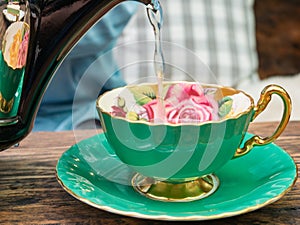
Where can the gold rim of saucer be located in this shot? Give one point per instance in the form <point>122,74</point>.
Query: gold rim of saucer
<point>169,191</point>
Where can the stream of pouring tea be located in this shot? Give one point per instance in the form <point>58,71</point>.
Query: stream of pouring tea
<point>156,19</point>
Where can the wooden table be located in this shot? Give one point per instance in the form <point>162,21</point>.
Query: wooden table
<point>30,193</point>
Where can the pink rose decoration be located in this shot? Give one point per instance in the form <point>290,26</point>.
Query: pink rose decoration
<point>23,48</point>
<point>118,111</point>
<point>185,103</point>
<point>151,109</point>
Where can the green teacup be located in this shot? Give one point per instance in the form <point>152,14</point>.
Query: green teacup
<point>177,161</point>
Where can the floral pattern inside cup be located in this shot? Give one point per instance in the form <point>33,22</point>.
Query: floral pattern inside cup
<point>183,103</point>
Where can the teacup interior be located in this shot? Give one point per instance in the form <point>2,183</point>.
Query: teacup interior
<point>242,103</point>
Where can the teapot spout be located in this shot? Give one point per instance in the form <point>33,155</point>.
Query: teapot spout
<point>35,37</point>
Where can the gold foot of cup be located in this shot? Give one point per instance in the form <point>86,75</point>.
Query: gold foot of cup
<point>170,191</point>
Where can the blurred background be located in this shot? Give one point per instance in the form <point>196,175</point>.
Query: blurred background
<point>247,44</point>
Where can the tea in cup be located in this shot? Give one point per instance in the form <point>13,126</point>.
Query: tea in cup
<point>203,128</point>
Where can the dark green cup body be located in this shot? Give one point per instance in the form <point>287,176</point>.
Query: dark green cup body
<point>175,151</point>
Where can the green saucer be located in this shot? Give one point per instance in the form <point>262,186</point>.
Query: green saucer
<point>92,173</point>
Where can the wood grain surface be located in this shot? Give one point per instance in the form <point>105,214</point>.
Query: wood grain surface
<point>30,193</point>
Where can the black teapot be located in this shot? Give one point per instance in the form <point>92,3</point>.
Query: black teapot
<point>35,37</point>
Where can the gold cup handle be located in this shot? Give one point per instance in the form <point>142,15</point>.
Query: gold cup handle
<point>262,103</point>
